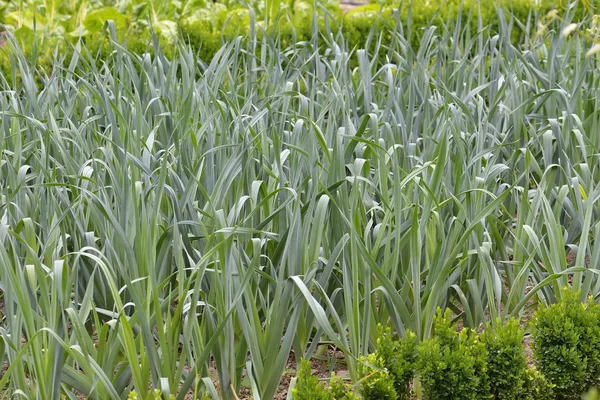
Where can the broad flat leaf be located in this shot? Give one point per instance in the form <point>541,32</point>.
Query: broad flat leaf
<point>95,20</point>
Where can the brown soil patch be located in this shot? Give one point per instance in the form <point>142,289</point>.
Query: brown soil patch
<point>289,373</point>
<point>571,257</point>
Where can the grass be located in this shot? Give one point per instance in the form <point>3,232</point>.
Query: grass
<point>158,215</point>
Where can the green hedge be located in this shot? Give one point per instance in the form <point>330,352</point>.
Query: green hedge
<point>506,361</point>
<point>452,364</point>
<point>463,364</point>
<point>567,345</point>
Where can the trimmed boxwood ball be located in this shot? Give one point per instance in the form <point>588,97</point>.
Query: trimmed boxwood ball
<point>399,357</point>
<point>340,390</point>
<point>507,363</point>
<point>566,345</point>
<point>308,386</point>
<point>375,383</point>
<point>452,365</point>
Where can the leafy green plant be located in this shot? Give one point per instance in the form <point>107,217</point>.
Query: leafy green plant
<point>452,364</point>
<point>567,344</point>
<point>308,386</point>
<point>206,25</point>
<point>506,362</point>
<point>339,389</point>
<point>537,386</point>
<point>399,358</point>
<point>376,383</point>
<point>153,395</point>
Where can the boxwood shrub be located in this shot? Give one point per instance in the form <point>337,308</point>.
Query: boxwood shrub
<point>375,383</point>
<point>308,386</point>
<point>566,344</point>
<point>453,365</point>
<point>464,364</point>
<point>506,362</point>
<point>399,357</point>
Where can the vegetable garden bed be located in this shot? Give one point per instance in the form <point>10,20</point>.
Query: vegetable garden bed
<point>183,221</point>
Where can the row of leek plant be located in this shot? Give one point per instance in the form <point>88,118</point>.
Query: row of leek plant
<point>162,218</point>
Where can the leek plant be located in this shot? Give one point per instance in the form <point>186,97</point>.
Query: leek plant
<point>162,218</point>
